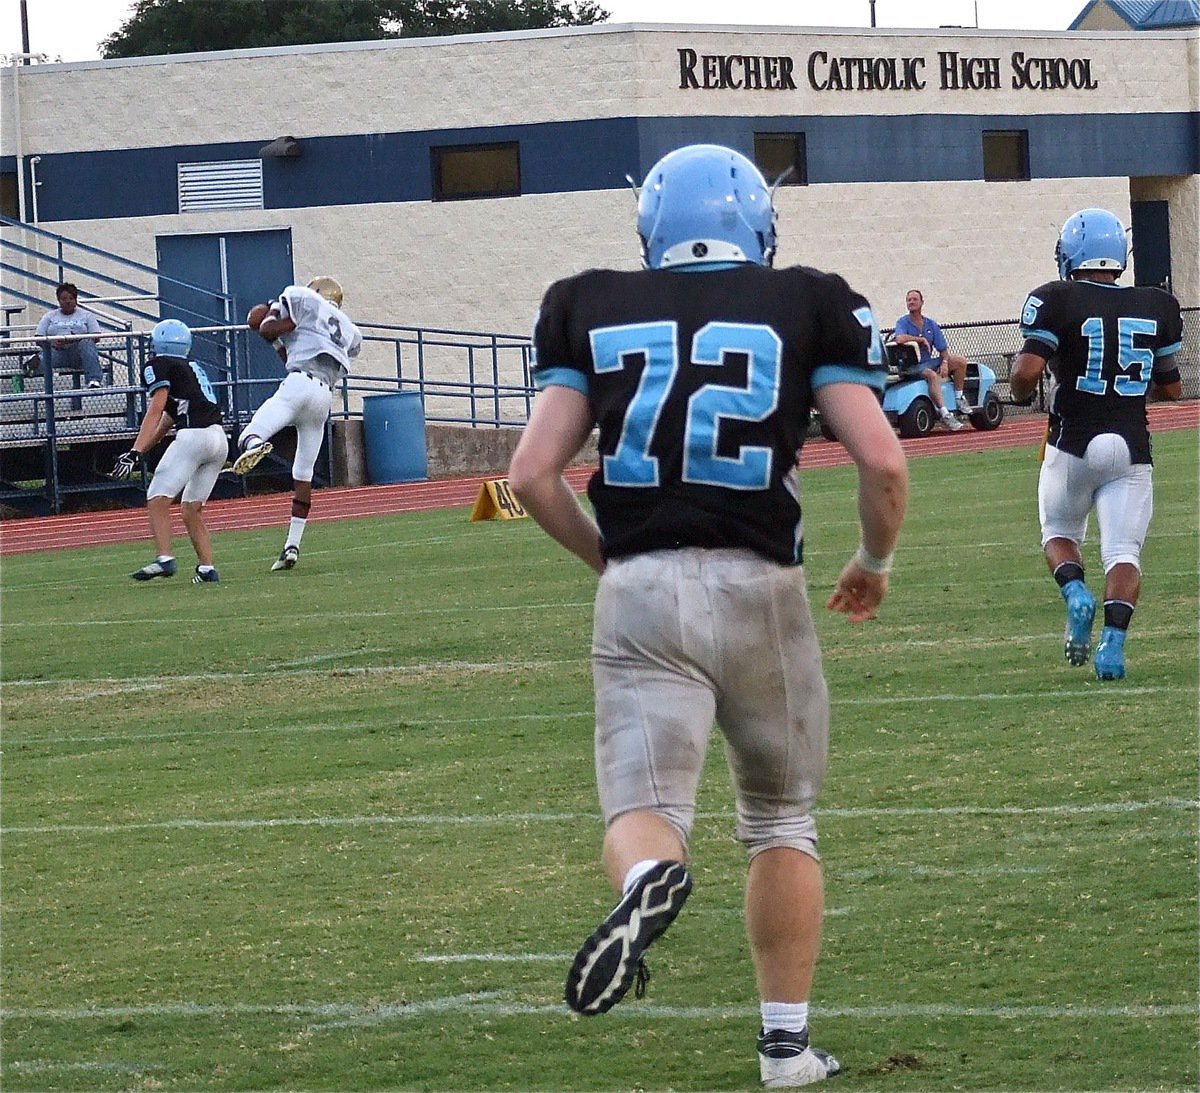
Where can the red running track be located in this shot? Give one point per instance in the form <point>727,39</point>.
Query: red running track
<point>26,536</point>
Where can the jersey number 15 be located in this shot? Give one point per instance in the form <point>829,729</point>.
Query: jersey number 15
<point>1133,362</point>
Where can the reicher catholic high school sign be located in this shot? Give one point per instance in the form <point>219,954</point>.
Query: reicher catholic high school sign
<point>952,70</point>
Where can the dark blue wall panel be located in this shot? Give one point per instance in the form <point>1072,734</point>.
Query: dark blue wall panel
<point>575,156</point>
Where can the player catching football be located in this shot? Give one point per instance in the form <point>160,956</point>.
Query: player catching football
<point>317,341</point>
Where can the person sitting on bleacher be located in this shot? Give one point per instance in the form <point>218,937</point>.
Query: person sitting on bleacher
<point>70,318</point>
<point>935,362</point>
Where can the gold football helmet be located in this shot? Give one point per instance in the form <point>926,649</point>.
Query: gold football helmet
<point>327,287</point>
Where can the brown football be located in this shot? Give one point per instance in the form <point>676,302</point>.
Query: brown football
<point>257,313</point>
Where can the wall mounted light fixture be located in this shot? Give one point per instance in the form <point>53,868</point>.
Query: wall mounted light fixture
<point>281,148</point>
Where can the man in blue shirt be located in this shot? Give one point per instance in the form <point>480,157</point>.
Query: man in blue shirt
<point>929,340</point>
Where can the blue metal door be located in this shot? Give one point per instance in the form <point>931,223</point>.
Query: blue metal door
<point>235,271</point>
<point>1152,243</point>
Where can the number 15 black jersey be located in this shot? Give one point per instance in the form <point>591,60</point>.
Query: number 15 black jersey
<point>1104,342</point>
<point>701,384</point>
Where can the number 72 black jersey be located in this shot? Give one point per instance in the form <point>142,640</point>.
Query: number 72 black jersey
<point>701,385</point>
<point>1105,343</point>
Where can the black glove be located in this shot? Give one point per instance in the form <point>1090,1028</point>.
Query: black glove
<point>126,464</point>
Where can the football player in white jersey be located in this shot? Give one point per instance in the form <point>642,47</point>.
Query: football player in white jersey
<point>317,341</point>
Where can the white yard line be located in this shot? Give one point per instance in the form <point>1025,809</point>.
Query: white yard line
<point>343,1014</point>
<point>114,687</point>
<point>492,958</point>
<point>1166,804</point>
<point>439,666</point>
<point>175,621</point>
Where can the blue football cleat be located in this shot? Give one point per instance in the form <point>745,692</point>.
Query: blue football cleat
<point>1081,612</point>
<point>155,569</point>
<point>210,576</point>
<point>1110,654</point>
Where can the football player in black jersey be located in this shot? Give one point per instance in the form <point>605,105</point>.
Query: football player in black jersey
<point>182,396</point>
<point>1109,348</point>
<point>700,372</point>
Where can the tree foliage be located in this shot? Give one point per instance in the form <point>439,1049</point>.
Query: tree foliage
<point>157,27</point>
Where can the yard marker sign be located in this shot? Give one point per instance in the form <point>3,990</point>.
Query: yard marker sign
<point>496,502</point>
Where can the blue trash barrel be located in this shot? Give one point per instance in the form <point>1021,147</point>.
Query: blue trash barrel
<point>394,435</point>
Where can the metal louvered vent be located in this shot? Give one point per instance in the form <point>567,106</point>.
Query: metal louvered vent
<point>232,184</point>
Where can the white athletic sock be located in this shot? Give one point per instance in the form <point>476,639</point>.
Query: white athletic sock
<point>165,558</point>
<point>295,532</point>
<point>636,872</point>
<point>206,568</point>
<point>786,1016</point>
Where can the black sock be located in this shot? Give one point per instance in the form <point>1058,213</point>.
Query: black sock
<point>1118,614</point>
<point>1067,572</point>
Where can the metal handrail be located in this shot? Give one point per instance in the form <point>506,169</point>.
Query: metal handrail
<point>59,259</point>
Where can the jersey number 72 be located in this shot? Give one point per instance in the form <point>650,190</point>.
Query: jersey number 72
<point>631,464</point>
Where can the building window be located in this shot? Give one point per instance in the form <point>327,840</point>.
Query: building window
<point>476,170</point>
<point>1005,155</point>
<point>775,153</point>
<point>10,203</point>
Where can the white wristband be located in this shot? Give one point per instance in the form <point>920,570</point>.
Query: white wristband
<point>870,563</point>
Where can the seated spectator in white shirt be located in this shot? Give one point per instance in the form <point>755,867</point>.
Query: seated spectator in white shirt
<point>69,318</point>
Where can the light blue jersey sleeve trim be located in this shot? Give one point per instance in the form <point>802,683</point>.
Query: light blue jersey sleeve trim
<point>561,377</point>
<point>156,385</point>
<point>1168,350</point>
<point>844,373</point>
<point>1041,336</point>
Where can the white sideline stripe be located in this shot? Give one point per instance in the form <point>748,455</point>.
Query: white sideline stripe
<point>269,672</point>
<point>43,1066</point>
<point>492,958</point>
<point>1166,804</point>
<point>314,616</point>
<point>1094,693</point>
<point>937,871</point>
<point>341,1014</point>
<point>472,609</point>
<point>1002,640</point>
<point>310,726</point>
<point>325,658</point>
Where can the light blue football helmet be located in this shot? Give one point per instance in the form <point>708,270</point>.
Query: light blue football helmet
<point>705,203</point>
<point>171,338</point>
<point>1092,239</point>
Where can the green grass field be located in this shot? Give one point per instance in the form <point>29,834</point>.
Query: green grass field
<point>336,829</point>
